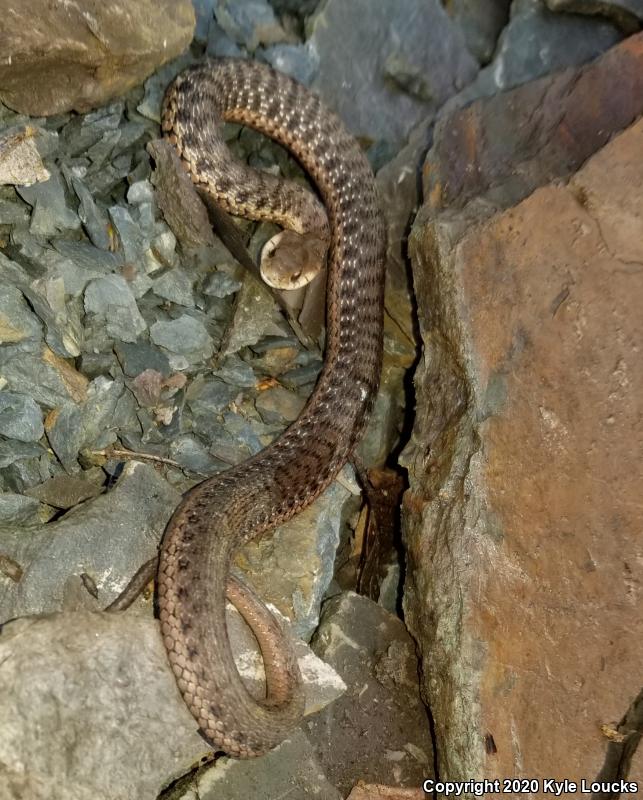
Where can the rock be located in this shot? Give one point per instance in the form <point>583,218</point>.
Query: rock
<point>537,42</point>
<point>176,286</point>
<point>204,10</point>
<point>20,417</point>
<point>108,537</point>
<point>47,378</point>
<point>85,674</point>
<point>292,769</point>
<point>255,316</point>
<point>295,60</point>
<point>79,55</point>
<point>184,336</point>
<point>627,14</point>
<point>481,22</point>
<point>67,491</point>
<point>181,206</point>
<point>277,404</point>
<point>17,322</point>
<point>377,53</point>
<point>20,161</point>
<point>250,23</point>
<point>16,509</point>
<point>549,128</point>
<point>50,210</point>
<point>522,518</point>
<point>293,568</point>
<point>370,791</point>
<point>111,300</point>
<point>380,725</point>
<point>136,358</point>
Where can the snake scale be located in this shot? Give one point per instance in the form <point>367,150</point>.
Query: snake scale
<point>219,515</point>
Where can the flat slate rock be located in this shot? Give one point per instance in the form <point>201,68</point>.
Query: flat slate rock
<point>396,62</point>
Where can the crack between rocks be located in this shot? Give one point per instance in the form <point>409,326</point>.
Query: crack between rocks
<point>618,757</point>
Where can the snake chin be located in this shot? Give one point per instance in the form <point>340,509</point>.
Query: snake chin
<point>290,260</point>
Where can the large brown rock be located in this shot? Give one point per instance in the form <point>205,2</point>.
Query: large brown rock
<point>523,517</point>
<point>78,55</point>
<point>504,147</point>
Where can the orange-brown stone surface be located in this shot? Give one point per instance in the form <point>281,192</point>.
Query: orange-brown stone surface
<point>523,517</point>
<point>505,146</point>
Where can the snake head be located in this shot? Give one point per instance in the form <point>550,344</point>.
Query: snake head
<point>290,260</point>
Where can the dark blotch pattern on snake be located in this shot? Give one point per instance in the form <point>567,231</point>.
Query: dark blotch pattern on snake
<point>220,514</point>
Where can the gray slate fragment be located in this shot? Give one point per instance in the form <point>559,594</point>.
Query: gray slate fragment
<point>111,299</point>
<point>68,679</point>
<point>51,214</point>
<point>192,454</point>
<point>16,509</point>
<point>299,61</point>
<point>290,771</point>
<point>219,43</point>
<point>481,22</point>
<point>627,14</point>
<point>255,316</point>
<point>235,440</point>
<point>184,336</point>
<point>380,724</point>
<point>12,451</point>
<point>354,41</point>
<point>17,322</point>
<point>108,537</point>
<point>140,192</point>
<point>35,375</point>
<point>235,371</point>
<point>99,422</point>
<point>204,10</point>
<point>221,284</point>
<point>20,417</point>
<point>176,286</point>
<point>277,404</point>
<point>250,23</point>
<point>13,212</point>
<point>181,206</point>
<point>65,435</point>
<point>94,219</point>
<point>209,397</point>
<point>88,257</point>
<point>536,42</point>
<point>295,566</point>
<point>63,326</point>
<point>130,234</point>
<point>135,358</point>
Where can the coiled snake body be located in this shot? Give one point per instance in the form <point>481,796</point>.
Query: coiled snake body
<point>216,517</point>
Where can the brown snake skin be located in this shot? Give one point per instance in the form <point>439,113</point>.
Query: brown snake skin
<point>216,517</point>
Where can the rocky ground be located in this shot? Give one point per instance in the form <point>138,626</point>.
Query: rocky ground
<point>138,357</point>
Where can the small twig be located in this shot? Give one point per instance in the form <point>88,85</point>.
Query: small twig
<point>114,452</point>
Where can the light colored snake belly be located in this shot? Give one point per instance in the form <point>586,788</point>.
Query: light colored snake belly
<point>216,517</point>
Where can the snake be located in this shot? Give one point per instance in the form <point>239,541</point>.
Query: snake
<point>342,223</point>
